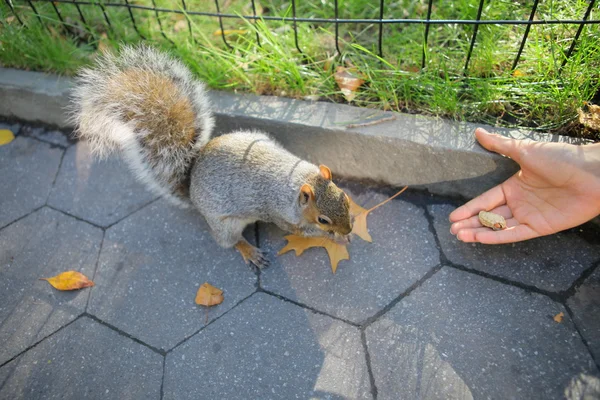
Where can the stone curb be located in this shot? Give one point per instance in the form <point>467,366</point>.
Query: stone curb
<point>439,155</point>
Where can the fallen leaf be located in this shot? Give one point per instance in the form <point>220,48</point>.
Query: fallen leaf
<point>336,251</point>
<point>348,82</point>
<point>180,25</point>
<point>6,136</point>
<point>360,214</point>
<point>591,118</point>
<point>559,317</point>
<point>517,73</point>
<point>226,32</point>
<point>69,280</point>
<point>328,62</point>
<point>299,244</point>
<point>209,295</point>
<point>103,43</point>
<point>10,19</point>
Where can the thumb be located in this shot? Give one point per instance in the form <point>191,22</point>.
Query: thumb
<point>498,143</point>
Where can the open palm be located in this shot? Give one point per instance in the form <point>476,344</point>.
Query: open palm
<point>558,187</point>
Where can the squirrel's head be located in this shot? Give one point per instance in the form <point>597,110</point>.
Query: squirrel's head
<point>325,208</point>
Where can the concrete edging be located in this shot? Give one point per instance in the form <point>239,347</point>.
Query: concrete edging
<point>415,150</point>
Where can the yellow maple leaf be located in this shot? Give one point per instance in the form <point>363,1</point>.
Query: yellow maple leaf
<point>69,280</point>
<point>348,81</point>
<point>208,295</point>
<point>336,251</point>
<point>6,136</point>
<point>299,244</point>
<point>228,32</point>
<point>559,317</point>
<point>360,214</point>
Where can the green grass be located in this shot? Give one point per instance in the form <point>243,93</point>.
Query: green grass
<point>539,95</point>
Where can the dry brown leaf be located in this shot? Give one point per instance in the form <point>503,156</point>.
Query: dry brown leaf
<point>103,43</point>
<point>347,81</point>
<point>299,244</point>
<point>559,317</point>
<point>328,62</point>
<point>591,118</point>
<point>69,280</point>
<point>360,214</point>
<point>226,32</point>
<point>180,25</point>
<point>6,136</point>
<point>209,295</point>
<point>336,251</point>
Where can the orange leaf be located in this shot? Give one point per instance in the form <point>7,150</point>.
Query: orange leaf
<point>6,136</point>
<point>180,25</point>
<point>335,251</point>
<point>228,32</point>
<point>209,295</point>
<point>299,244</point>
<point>591,118</point>
<point>559,317</point>
<point>359,227</point>
<point>355,209</point>
<point>69,280</point>
<point>347,82</point>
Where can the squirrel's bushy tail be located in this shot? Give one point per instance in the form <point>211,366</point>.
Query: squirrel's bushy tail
<point>149,106</point>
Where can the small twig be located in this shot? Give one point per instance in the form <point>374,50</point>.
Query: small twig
<point>370,123</point>
<point>385,201</point>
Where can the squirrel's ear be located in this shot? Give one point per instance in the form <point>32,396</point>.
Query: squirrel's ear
<point>306,193</point>
<point>325,172</point>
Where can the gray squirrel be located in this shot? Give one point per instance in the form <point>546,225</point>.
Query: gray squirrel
<point>149,107</point>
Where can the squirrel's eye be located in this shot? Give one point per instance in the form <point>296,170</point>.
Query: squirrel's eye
<point>324,220</point>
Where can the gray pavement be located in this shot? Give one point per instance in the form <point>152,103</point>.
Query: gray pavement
<point>413,315</point>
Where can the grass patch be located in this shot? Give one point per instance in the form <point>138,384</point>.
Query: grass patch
<point>539,94</point>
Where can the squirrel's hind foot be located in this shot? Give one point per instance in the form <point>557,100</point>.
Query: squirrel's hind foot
<point>252,254</point>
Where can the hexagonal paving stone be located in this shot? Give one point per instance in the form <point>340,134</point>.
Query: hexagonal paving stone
<point>14,127</point>
<point>40,245</point>
<point>461,336</point>
<point>28,169</point>
<point>84,360</point>
<point>402,252</point>
<point>101,192</point>
<point>150,268</point>
<point>585,305</point>
<point>52,136</point>
<point>551,263</point>
<point>269,349</point>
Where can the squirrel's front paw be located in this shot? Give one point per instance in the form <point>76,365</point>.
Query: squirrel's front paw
<point>252,254</point>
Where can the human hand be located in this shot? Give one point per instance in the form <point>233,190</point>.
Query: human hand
<point>558,187</point>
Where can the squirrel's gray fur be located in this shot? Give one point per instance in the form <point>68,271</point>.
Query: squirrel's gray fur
<point>148,106</point>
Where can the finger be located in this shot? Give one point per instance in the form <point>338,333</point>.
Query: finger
<point>486,201</point>
<point>510,235</point>
<point>473,222</point>
<point>498,143</point>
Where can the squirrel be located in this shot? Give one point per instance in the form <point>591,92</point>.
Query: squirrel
<point>149,107</point>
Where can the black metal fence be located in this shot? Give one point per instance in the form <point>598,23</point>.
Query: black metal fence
<point>293,20</point>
